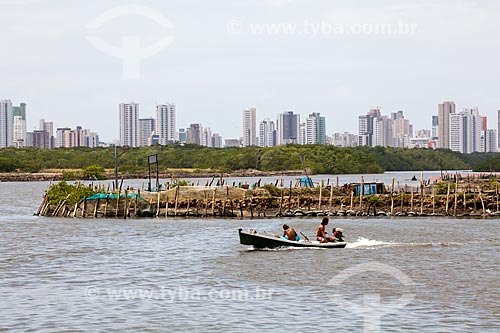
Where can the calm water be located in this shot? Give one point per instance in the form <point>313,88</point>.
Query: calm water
<point>157,275</point>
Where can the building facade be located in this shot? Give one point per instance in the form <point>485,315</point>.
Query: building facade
<point>288,128</point>
<point>445,109</point>
<point>6,123</point>
<point>249,127</point>
<point>129,124</point>
<point>165,123</point>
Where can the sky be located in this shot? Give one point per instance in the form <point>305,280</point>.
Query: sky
<point>73,62</point>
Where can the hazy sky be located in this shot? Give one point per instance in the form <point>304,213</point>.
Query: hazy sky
<point>215,58</point>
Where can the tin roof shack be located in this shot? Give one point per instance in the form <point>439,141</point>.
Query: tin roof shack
<point>369,188</point>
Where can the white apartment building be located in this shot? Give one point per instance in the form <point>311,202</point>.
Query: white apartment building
<point>165,123</point>
<point>249,127</point>
<point>147,128</point>
<point>129,124</point>
<point>6,123</point>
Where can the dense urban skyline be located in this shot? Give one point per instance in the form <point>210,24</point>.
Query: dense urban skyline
<point>240,56</point>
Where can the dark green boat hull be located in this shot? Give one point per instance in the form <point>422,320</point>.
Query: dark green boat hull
<point>261,241</point>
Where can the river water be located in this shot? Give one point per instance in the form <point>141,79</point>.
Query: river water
<point>178,275</point>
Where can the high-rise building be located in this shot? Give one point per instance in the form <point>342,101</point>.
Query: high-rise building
<point>19,125</point>
<point>129,124</point>
<point>288,128</point>
<point>267,133</point>
<point>146,130</point>
<point>48,126</point>
<point>6,123</point>
<point>444,111</point>
<point>38,138</point>
<point>465,131</point>
<point>216,140</point>
<point>182,135</point>
<point>345,139</point>
<point>365,127</point>
<point>498,127</point>
<point>302,134</point>
<point>434,130</point>
<point>382,132</point>
<point>165,123</point>
<point>60,137</point>
<point>249,127</point>
<point>490,141</point>
<point>402,130</point>
<point>206,137</point>
<point>315,129</point>
<point>193,134</point>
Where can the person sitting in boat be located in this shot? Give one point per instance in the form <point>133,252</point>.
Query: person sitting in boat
<point>289,233</point>
<point>321,235</point>
<point>337,233</point>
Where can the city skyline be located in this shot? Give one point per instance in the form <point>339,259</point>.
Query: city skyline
<point>213,67</point>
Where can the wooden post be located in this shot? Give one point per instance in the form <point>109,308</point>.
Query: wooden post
<point>45,196</point>
<point>176,199</point>
<point>411,202</point>
<point>331,198</point>
<point>320,194</point>
<point>158,204</point>
<point>213,201</point>
<point>496,192</point>
<point>465,202</point>
<point>456,198</point>
<point>187,209</point>
<point>166,206</point>
<point>281,200</point>
<point>106,205</point>
<point>421,192</point>
<point>117,203</point>
<point>74,211</point>
<point>448,197</point>
<point>433,199</point>
<point>95,207</point>
<point>135,202</point>
<point>481,198</point>
<point>392,185</point>
<point>361,190</point>
<point>352,199</point>
<point>290,197</point>
<point>84,212</point>
<point>337,182</point>
<point>392,203</point>
<point>125,208</point>
<point>251,208</point>
<point>402,200</point>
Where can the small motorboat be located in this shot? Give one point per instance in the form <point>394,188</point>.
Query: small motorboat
<point>269,241</point>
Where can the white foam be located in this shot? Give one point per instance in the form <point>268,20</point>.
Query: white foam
<point>365,242</point>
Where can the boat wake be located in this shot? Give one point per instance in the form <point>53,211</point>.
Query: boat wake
<point>365,242</point>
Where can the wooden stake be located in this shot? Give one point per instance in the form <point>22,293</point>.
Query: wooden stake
<point>456,198</point>
<point>331,198</point>
<point>320,194</point>
<point>125,207</point>
<point>177,199</point>
<point>448,197</point>
<point>106,205</point>
<point>213,201</point>
<point>158,204</point>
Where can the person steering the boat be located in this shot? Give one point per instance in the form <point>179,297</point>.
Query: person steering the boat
<point>321,235</point>
<point>337,233</point>
<point>289,233</point>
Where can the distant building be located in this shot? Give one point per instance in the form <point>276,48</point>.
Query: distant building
<point>182,135</point>
<point>206,137</point>
<point>147,128</point>
<point>38,139</point>
<point>216,141</point>
<point>434,130</point>
<point>231,143</point>
<point>6,123</point>
<point>366,127</point>
<point>288,128</point>
<point>48,126</point>
<point>465,131</point>
<point>129,124</point>
<point>165,123</point>
<point>445,109</point>
<point>490,141</point>
<point>249,127</point>
<point>267,133</point>
<point>302,134</point>
<point>316,129</point>
<point>193,134</point>
<point>19,125</point>
<point>344,139</point>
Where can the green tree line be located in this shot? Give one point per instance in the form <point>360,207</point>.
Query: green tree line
<point>318,159</point>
